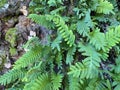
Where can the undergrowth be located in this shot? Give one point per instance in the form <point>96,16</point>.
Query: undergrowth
<point>78,56</point>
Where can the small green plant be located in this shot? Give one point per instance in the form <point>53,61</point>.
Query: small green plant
<point>77,57</point>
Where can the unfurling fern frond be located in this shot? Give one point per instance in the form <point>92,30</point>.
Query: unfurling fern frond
<point>11,76</point>
<point>64,30</point>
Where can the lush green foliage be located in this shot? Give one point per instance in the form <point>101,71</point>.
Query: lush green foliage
<point>77,56</point>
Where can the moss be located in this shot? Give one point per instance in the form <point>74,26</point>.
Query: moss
<point>2,59</point>
<point>2,2</point>
<point>11,36</point>
<point>13,51</point>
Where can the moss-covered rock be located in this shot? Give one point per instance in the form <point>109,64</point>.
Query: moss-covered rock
<point>13,51</point>
<point>2,59</point>
<point>11,36</point>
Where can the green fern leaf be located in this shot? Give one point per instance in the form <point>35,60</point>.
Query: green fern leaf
<point>82,28</point>
<point>33,54</point>
<point>112,37</point>
<point>42,83</point>
<point>11,76</point>
<point>64,30</point>
<point>117,66</point>
<point>89,64</point>
<point>29,58</point>
<point>73,83</point>
<point>56,43</point>
<point>42,20</point>
<point>56,81</point>
<point>97,39</point>
<point>95,84</point>
<point>71,52</point>
<point>78,70</point>
<point>104,7</point>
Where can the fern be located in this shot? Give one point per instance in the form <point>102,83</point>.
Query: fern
<point>34,54</point>
<point>104,7</point>
<point>42,20</point>
<point>64,30</point>
<point>112,37</point>
<point>69,57</point>
<point>79,70</point>
<point>82,37</point>
<point>42,83</point>
<point>82,28</point>
<point>11,76</point>
<point>25,61</point>
<point>56,42</point>
<point>97,39</point>
<point>73,83</point>
<point>91,52</point>
<point>56,81</point>
<point>95,84</point>
<point>117,67</point>
<point>45,82</point>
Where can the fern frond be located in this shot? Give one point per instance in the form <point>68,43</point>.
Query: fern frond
<point>11,76</point>
<point>112,37</point>
<point>64,30</point>
<point>89,64</point>
<point>73,83</point>
<point>34,72</point>
<point>56,43</point>
<point>58,60</point>
<point>43,82</point>
<point>28,58</point>
<point>117,66</point>
<point>104,7</point>
<point>82,28</point>
<point>90,52</point>
<point>71,52</point>
<point>97,39</point>
<point>56,81</point>
<point>116,85</point>
<point>95,84</point>
<point>42,20</point>
<point>78,70</point>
